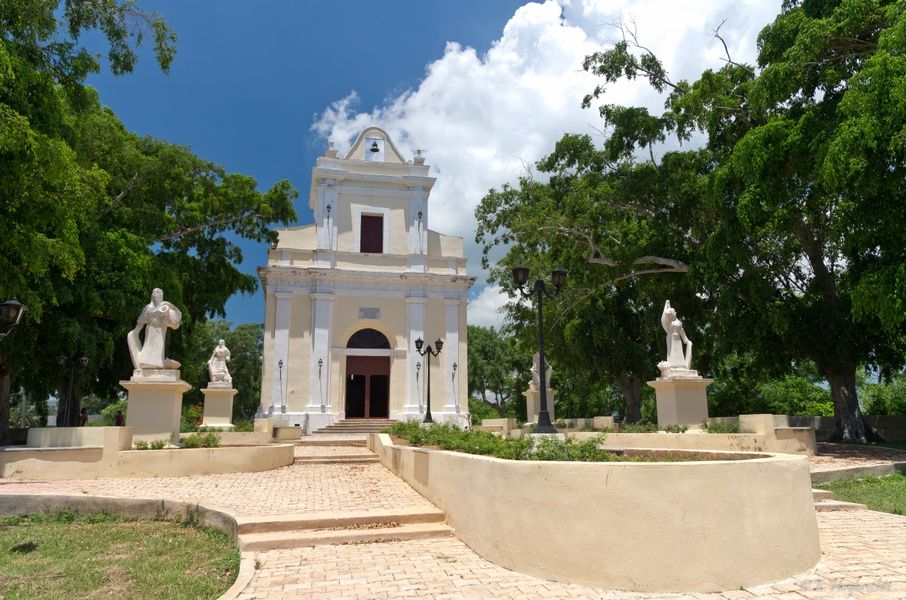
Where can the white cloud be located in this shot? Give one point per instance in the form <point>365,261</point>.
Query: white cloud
<point>484,118</point>
<point>484,309</point>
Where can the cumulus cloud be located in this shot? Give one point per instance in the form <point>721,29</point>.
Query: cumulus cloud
<point>484,309</point>
<point>484,119</point>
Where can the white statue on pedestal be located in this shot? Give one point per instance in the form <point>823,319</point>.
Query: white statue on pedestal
<point>679,359</point>
<point>536,371</point>
<point>217,366</point>
<point>156,318</point>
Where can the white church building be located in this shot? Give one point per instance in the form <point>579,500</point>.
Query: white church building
<point>348,296</point>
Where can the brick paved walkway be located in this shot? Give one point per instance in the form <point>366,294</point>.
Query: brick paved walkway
<point>301,451</point>
<point>864,558</point>
<point>289,490</point>
<point>864,552</point>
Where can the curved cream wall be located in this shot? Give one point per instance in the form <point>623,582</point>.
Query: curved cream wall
<point>657,527</point>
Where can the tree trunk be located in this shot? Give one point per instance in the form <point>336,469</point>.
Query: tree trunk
<point>849,423</point>
<point>631,390</point>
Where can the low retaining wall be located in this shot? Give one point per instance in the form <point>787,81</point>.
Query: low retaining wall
<point>733,442</point>
<point>94,462</point>
<point>657,527</point>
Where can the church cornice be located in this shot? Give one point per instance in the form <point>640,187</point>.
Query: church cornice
<point>293,277</point>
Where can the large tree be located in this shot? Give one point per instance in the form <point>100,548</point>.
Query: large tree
<point>607,220</point>
<point>97,215</point>
<point>801,245</point>
<point>498,369</point>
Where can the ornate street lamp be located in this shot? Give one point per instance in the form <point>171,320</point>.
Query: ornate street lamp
<point>429,352</point>
<point>539,291</point>
<point>11,313</point>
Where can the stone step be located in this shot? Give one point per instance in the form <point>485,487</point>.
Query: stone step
<point>332,439</point>
<point>337,459</point>
<point>335,520</point>
<point>833,505</point>
<point>822,494</point>
<point>276,540</point>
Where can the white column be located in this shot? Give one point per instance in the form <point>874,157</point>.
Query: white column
<point>321,339</point>
<point>451,354</point>
<point>281,351</point>
<point>416,320</point>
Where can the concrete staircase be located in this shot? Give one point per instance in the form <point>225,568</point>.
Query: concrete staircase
<point>357,426</point>
<point>341,528</point>
<point>257,534</point>
<point>826,501</point>
<point>347,459</point>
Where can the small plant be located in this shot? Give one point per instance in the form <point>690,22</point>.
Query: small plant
<point>638,428</point>
<point>158,444</point>
<point>720,427</point>
<point>192,516</point>
<point>243,426</point>
<point>675,428</point>
<point>201,440</point>
<point>141,445</point>
<point>561,424</point>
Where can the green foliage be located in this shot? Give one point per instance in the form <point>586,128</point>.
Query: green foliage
<point>201,440</point>
<point>141,445</point>
<point>884,398</point>
<point>192,415</point>
<point>675,428</point>
<point>108,413</point>
<point>791,213</point>
<point>243,425</point>
<point>480,410</point>
<point>720,427</point>
<point>447,437</point>
<point>498,371</point>
<point>638,428</point>
<point>97,216</point>
<point>158,444</point>
<point>796,395</point>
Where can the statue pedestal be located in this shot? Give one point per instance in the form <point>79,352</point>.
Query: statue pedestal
<point>218,407</point>
<point>533,404</point>
<point>154,408</point>
<point>681,400</point>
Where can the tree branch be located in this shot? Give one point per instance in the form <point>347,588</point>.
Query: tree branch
<point>726,49</point>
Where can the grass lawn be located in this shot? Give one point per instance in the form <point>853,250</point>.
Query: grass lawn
<point>63,555</point>
<point>886,494</point>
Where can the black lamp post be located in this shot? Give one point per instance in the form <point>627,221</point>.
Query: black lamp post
<point>67,414</point>
<point>539,290</point>
<point>11,313</point>
<point>429,352</point>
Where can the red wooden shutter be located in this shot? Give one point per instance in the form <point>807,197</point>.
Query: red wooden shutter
<point>373,233</point>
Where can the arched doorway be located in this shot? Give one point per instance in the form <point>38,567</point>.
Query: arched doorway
<point>368,375</point>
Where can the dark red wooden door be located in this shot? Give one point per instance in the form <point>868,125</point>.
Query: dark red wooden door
<point>367,386</point>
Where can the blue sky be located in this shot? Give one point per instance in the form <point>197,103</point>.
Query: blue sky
<point>249,80</point>
<point>485,86</point>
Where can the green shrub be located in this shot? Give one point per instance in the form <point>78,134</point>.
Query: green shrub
<point>158,444</point>
<point>884,398</point>
<point>720,427</point>
<point>638,427</point>
<point>108,413</point>
<point>448,437</point>
<point>243,426</point>
<point>141,445</point>
<point>201,440</point>
<point>675,428</point>
<point>192,415</point>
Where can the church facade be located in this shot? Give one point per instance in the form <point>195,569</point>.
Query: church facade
<point>348,296</point>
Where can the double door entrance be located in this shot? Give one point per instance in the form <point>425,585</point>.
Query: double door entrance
<point>367,387</point>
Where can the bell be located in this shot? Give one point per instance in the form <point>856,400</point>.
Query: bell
<point>374,147</point>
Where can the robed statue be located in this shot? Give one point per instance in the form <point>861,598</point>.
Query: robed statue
<point>217,366</point>
<point>157,316</point>
<point>676,340</point>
